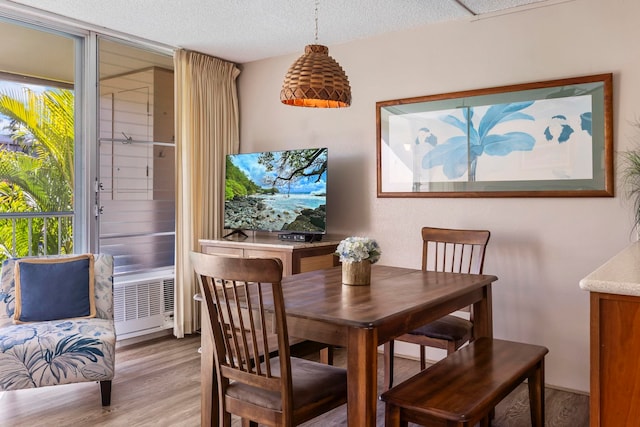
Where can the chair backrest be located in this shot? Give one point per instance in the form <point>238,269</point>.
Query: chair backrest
<point>451,250</point>
<point>235,291</point>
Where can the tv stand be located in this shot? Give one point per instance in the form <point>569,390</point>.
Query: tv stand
<point>297,257</point>
<point>234,232</point>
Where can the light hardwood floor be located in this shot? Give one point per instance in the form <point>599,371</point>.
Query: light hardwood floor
<point>157,384</point>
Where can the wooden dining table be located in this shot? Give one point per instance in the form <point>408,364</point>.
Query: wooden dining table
<point>360,318</point>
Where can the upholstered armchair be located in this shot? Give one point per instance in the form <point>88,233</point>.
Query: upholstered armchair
<point>44,339</point>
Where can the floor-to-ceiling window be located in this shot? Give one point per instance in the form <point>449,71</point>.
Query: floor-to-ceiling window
<point>38,145</point>
<point>87,157</point>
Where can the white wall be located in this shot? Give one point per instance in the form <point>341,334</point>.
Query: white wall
<point>540,247</point>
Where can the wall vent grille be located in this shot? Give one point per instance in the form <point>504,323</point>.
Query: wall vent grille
<point>168,294</point>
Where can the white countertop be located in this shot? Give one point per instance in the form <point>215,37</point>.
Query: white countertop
<point>620,275</point>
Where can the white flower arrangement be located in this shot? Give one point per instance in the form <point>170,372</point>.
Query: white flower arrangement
<point>355,249</point>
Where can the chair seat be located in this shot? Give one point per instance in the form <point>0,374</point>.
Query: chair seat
<point>450,328</point>
<point>312,382</point>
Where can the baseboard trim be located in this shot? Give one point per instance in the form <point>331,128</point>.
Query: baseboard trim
<point>142,338</point>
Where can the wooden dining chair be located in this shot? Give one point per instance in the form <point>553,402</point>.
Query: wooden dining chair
<point>446,250</point>
<point>253,382</point>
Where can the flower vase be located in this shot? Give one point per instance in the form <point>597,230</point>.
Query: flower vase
<point>356,273</point>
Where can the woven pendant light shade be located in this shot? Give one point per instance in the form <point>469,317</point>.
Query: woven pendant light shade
<point>316,80</point>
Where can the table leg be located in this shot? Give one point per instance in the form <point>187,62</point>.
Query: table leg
<point>362,377</point>
<point>483,316</point>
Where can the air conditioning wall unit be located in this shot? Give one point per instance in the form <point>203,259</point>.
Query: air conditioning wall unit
<point>143,303</point>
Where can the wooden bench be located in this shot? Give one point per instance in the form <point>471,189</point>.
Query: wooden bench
<point>464,388</point>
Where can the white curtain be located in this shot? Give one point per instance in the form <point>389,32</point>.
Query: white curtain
<point>207,129</point>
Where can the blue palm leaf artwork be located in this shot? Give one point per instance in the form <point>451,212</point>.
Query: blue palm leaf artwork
<point>500,130</point>
<point>546,136</point>
<point>459,154</point>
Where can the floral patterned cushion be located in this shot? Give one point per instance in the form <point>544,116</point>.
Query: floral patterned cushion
<point>103,276</point>
<point>57,352</point>
<point>7,293</point>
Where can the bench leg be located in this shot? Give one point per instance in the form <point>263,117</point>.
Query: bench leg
<point>326,355</point>
<point>105,392</point>
<point>388,365</point>
<point>536,395</point>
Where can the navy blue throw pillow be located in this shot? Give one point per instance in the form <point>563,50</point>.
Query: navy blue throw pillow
<point>54,288</point>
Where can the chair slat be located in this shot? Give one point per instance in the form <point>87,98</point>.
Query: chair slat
<point>247,333</point>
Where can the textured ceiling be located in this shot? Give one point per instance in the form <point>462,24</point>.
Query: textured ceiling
<point>248,30</point>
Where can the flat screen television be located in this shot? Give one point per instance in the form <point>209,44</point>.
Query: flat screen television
<point>277,191</point>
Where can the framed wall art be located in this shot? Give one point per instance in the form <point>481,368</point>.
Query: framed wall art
<point>543,139</point>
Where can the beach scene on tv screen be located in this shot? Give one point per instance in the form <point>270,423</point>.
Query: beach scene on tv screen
<point>277,191</point>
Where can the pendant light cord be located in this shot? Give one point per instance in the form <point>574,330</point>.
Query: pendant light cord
<point>317,1</point>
